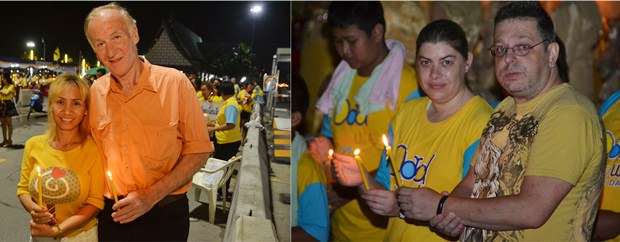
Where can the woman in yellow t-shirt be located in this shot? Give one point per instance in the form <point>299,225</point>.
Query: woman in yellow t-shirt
<point>433,138</point>
<point>7,109</point>
<point>62,179</point>
<point>216,97</point>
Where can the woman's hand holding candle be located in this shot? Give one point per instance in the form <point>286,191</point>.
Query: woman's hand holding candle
<point>347,171</point>
<point>388,152</point>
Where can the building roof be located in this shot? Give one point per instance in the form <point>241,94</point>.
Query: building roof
<point>176,46</point>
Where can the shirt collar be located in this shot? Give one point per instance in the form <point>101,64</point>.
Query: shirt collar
<point>146,81</point>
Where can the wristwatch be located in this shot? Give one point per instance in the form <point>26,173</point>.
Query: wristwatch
<point>58,231</point>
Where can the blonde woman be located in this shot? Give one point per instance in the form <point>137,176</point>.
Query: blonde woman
<point>71,173</point>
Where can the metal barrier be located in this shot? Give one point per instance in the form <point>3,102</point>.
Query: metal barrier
<point>250,216</point>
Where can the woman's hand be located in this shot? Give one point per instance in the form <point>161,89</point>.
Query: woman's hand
<point>347,171</point>
<point>382,202</point>
<point>41,215</point>
<point>41,230</point>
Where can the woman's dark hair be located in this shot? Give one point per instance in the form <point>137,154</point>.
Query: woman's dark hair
<point>444,30</point>
<point>7,77</point>
<point>525,10</point>
<point>227,88</point>
<point>364,15</point>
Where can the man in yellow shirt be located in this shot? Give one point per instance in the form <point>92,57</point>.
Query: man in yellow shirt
<point>525,185</point>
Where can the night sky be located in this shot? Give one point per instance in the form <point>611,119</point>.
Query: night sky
<point>61,25</point>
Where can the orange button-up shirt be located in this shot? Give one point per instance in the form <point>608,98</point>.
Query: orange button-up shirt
<point>141,137</point>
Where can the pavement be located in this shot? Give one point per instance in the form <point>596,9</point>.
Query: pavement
<point>14,219</point>
<point>279,152</point>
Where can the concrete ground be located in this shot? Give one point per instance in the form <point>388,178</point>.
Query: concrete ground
<point>279,154</point>
<point>14,219</point>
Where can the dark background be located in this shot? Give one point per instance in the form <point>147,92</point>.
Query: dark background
<point>60,24</point>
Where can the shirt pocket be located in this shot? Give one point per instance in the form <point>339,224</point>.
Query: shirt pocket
<point>160,146</point>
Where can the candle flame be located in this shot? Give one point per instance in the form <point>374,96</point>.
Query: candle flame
<point>38,169</point>
<point>385,141</point>
<point>356,152</point>
<point>331,152</point>
<point>109,174</point>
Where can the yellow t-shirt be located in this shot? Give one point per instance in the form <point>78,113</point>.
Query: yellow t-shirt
<point>231,135</point>
<point>200,96</point>
<point>7,92</point>
<point>433,155</point>
<point>610,198</point>
<point>70,179</point>
<point>217,99</point>
<point>242,99</point>
<point>557,135</point>
<point>350,131</point>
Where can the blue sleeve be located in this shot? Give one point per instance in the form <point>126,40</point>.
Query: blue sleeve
<point>313,211</point>
<point>384,170</point>
<point>610,101</point>
<point>231,114</point>
<point>469,153</point>
<point>326,130</point>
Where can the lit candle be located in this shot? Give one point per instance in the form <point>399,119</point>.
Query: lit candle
<point>388,151</point>
<point>360,165</point>
<point>40,186</point>
<point>330,160</point>
<point>112,186</point>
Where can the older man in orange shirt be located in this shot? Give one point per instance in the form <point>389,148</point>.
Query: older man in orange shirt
<point>149,127</point>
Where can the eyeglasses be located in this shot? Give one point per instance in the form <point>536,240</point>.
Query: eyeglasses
<point>519,50</point>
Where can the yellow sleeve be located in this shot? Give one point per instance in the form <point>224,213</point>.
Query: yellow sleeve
<point>27,166</point>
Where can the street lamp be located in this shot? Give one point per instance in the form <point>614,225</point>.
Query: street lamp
<point>31,45</point>
<point>255,10</point>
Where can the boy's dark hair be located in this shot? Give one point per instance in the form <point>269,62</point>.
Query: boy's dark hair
<point>524,10</point>
<point>444,30</point>
<point>227,88</point>
<point>299,99</point>
<point>364,15</point>
<point>563,69</point>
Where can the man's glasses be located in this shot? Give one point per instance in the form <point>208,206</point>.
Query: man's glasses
<point>519,50</point>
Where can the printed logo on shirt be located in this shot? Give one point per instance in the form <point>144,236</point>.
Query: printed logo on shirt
<point>59,185</point>
<point>613,175</point>
<point>414,169</point>
<point>613,148</point>
<point>350,115</point>
<point>612,171</point>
